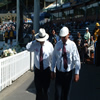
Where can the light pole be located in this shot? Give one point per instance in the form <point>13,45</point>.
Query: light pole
<point>18,20</point>
<point>36,15</point>
<point>19,31</point>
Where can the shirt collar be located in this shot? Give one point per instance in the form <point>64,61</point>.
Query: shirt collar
<point>43,44</point>
<point>66,42</point>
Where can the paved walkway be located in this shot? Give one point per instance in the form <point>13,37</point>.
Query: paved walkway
<point>88,87</point>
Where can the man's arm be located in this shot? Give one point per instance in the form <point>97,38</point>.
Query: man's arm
<point>77,63</point>
<point>54,59</point>
<point>30,46</point>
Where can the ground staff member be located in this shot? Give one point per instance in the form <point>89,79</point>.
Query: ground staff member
<point>43,50</point>
<point>66,58</point>
<point>97,44</point>
<point>6,35</point>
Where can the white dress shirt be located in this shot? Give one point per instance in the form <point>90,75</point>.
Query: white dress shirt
<point>73,58</point>
<point>35,46</point>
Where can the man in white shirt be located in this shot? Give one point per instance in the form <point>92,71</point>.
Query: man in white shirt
<point>65,58</point>
<point>43,50</point>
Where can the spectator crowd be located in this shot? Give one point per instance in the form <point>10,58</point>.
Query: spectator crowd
<point>85,42</point>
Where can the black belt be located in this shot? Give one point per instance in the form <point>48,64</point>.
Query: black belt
<point>62,72</point>
<point>48,68</point>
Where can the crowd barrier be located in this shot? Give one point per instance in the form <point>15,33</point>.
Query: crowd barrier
<point>13,67</point>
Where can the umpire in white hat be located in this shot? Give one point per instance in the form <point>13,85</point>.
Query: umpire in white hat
<point>65,58</point>
<point>43,50</point>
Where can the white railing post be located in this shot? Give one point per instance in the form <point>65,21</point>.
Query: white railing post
<point>0,76</point>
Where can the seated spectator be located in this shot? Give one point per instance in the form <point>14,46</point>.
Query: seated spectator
<point>78,38</point>
<point>71,36</point>
<point>91,46</point>
<point>87,35</point>
<point>85,50</point>
<point>79,47</point>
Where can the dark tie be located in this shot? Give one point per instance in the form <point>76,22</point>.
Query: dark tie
<point>41,58</point>
<point>64,56</point>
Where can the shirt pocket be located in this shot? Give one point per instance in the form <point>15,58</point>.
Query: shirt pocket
<point>37,54</point>
<point>75,57</point>
<point>45,55</point>
<point>59,53</point>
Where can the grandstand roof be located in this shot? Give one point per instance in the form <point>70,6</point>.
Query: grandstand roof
<point>71,5</point>
<point>52,6</point>
<point>11,4</point>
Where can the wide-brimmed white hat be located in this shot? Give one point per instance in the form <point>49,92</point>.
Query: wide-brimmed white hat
<point>64,32</point>
<point>41,35</point>
<point>87,28</point>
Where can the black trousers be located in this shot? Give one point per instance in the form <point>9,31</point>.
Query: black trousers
<point>42,82</point>
<point>62,85</point>
<point>6,40</point>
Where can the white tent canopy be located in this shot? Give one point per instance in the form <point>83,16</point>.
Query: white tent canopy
<point>53,5</point>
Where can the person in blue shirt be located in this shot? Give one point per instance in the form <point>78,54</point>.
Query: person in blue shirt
<point>55,38</point>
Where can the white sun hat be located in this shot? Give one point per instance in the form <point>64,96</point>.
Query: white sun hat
<point>64,32</point>
<point>41,35</point>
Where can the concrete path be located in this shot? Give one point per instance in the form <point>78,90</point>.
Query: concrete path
<point>88,87</point>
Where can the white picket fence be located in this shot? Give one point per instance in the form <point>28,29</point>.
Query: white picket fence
<point>13,67</point>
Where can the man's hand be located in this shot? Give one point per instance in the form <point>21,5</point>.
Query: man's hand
<point>76,78</point>
<point>53,75</point>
